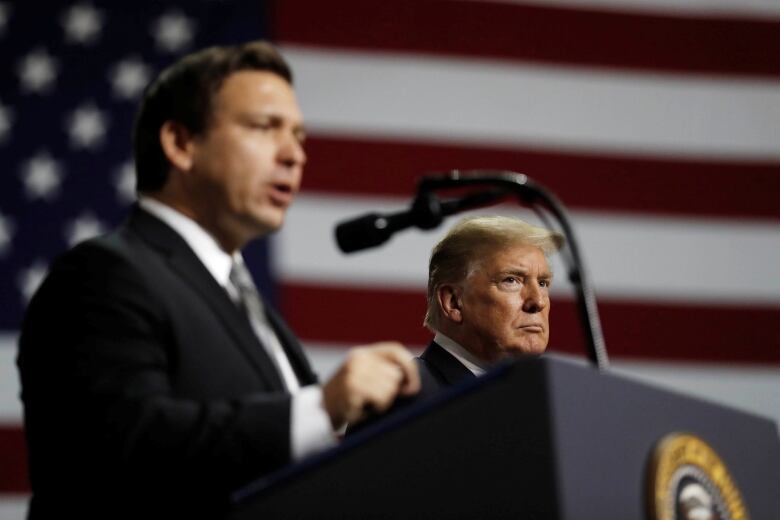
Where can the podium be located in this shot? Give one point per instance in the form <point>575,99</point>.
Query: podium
<point>541,438</point>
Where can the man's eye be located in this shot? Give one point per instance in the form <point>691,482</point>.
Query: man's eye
<point>511,280</point>
<point>263,123</point>
<point>544,283</point>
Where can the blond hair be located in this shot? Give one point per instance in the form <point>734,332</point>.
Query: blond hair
<point>469,240</point>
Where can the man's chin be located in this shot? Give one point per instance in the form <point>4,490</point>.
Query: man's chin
<point>533,349</point>
<point>266,223</point>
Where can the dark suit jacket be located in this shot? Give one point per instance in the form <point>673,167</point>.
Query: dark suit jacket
<point>143,383</point>
<point>438,370</point>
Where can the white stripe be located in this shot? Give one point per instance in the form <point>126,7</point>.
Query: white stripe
<point>10,405</point>
<point>654,258</point>
<point>13,506</point>
<point>547,106</point>
<point>753,8</point>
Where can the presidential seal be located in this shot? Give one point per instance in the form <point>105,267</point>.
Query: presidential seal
<point>689,481</point>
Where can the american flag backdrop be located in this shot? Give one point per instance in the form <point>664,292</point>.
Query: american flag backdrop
<point>657,122</point>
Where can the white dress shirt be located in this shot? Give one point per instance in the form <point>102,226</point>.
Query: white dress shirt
<point>466,358</point>
<point>310,428</point>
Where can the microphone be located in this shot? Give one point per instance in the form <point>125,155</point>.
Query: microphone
<point>427,212</point>
<point>374,229</point>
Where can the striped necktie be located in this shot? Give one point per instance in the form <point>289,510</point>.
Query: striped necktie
<point>252,305</point>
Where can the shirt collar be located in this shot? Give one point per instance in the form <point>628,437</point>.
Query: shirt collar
<point>467,359</point>
<point>217,261</point>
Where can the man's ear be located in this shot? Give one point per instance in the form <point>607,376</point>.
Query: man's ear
<point>449,297</point>
<point>176,141</point>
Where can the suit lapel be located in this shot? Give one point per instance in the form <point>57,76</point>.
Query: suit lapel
<point>444,365</point>
<point>193,273</point>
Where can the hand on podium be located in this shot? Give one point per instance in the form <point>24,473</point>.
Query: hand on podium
<point>370,379</point>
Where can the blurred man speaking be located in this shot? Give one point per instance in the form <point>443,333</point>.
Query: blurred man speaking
<point>155,379</point>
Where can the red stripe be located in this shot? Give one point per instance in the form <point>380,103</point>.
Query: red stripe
<point>13,460</point>
<point>690,332</point>
<point>600,182</point>
<point>710,44</point>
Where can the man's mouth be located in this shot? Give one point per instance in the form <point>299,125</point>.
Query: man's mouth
<point>532,327</point>
<point>281,194</point>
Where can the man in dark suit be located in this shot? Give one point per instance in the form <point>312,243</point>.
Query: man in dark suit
<point>488,295</point>
<point>488,300</point>
<point>154,379</point>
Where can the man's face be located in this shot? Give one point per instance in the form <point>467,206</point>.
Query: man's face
<point>247,165</point>
<point>505,304</point>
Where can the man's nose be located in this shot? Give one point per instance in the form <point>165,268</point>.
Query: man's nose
<point>533,298</point>
<point>291,152</point>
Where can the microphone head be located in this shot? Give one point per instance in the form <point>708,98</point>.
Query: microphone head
<point>363,232</point>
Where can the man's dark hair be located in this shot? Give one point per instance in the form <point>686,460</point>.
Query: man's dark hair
<point>184,92</point>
